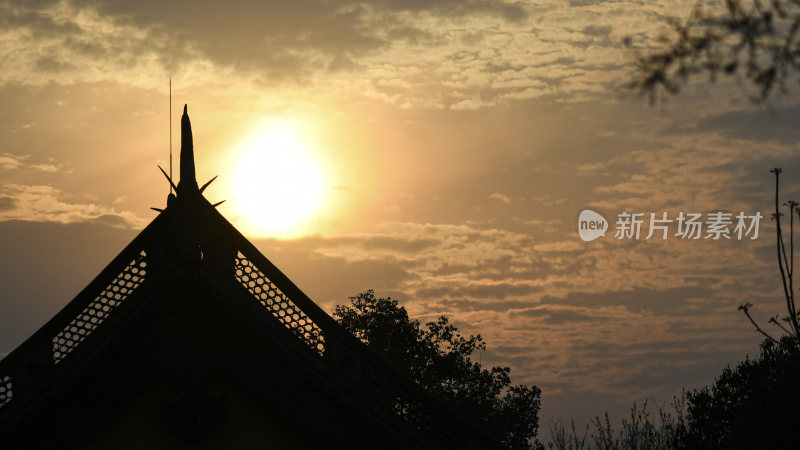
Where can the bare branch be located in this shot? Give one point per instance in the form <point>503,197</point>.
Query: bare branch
<point>746,309</point>
<point>774,320</point>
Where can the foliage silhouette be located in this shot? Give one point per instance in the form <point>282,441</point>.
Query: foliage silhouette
<point>756,39</point>
<point>438,357</point>
<point>753,406</point>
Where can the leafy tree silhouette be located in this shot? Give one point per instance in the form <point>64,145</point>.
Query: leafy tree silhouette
<point>438,357</point>
<point>756,39</point>
<point>752,406</point>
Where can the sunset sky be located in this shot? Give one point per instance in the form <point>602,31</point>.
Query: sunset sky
<point>437,152</point>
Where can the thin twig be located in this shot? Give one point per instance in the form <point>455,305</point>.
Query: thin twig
<point>782,260</point>
<point>774,320</point>
<point>747,313</point>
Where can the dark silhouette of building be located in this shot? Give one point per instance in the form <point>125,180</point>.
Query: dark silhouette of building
<point>191,338</point>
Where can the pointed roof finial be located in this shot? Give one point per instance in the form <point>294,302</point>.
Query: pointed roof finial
<point>188,180</point>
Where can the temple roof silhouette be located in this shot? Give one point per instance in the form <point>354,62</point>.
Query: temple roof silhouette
<point>191,338</point>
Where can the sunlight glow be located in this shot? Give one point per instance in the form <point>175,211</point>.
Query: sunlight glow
<point>277,186</point>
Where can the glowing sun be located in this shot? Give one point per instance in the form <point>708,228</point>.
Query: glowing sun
<point>277,186</point>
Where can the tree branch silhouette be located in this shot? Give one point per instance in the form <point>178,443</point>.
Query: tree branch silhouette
<point>786,267</point>
<point>757,39</point>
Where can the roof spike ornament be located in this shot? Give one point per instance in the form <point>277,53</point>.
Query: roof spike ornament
<point>188,179</point>
<point>191,312</point>
<point>187,185</point>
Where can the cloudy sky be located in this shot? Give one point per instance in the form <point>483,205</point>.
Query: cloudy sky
<point>438,152</point>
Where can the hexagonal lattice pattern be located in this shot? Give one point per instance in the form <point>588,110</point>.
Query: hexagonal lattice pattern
<point>99,309</point>
<point>5,389</point>
<point>279,304</point>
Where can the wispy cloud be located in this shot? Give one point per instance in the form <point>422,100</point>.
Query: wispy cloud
<point>44,204</point>
<point>10,161</point>
<point>500,197</point>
